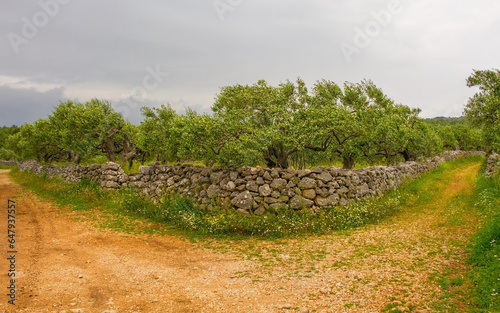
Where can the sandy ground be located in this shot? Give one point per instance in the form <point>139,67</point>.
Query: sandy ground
<point>64,265</point>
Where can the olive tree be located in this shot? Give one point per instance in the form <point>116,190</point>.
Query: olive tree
<point>483,109</point>
<point>85,129</point>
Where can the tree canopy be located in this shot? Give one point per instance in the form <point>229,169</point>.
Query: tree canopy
<point>483,109</point>
<point>258,124</point>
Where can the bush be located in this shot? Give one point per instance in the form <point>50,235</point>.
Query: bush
<point>7,155</point>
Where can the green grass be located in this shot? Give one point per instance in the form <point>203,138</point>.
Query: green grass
<point>485,257</point>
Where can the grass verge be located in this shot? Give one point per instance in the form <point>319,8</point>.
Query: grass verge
<point>485,257</point>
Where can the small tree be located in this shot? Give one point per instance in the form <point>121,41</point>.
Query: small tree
<point>160,134</point>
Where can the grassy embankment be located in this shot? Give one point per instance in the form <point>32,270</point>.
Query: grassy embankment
<point>485,256</point>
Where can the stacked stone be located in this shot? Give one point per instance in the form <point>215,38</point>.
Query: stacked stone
<point>252,190</point>
<point>32,166</point>
<point>493,164</point>
<point>8,163</point>
<point>111,175</point>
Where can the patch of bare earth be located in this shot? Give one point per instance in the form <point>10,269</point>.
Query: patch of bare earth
<point>69,266</point>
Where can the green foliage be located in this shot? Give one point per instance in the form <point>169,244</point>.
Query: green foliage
<point>87,128</point>
<point>483,108</point>
<point>5,132</point>
<point>457,132</point>
<point>485,257</point>
<point>259,119</point>
<point>259,124</point>
<point>36,141</point>
<point>8,155</point>
<point>73,131</point>
<point>160,134</point>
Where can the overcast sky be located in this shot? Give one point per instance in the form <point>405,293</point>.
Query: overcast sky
<point>152,52</point>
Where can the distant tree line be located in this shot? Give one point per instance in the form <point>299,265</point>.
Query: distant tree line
<point>274,126</point>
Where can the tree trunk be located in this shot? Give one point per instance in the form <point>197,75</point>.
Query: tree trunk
<point>110,149</point>
<point>73,157</point>
<point>406,155</point>
<point>109,144</point>
<point>348,162</point>
<point>276,156</point>
<point>128,154</point>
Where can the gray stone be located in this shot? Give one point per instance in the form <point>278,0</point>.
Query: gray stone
<point>303,173</point>
<point>243,200</point>
<point>231,186</point>
<point>113,166</point>
<point>326,202</point>
<point>110,184</point>
<point>217,177</point>
<point>145,170</point>
<point>319,169</point>
<point>260,181</point>
<point>212,191</point>
<point>298,202</point>
<point>309,194</point>
<point>110,178</point>
<point>325,177</point>
<point>291,184</point>
<point>307,183</point>
<point>260,210</point>
<point>323,192</point>
<point>363,189</point>
<point>233,176</point>
<point>342,190</point>
<point>278,183</point>
<point>271,200</point>
<point>252,186</point>
<point>275,173</point>
<point>289,192</point>
<point>267,176</point>
<point>265,190</point>
<point>276,206</point>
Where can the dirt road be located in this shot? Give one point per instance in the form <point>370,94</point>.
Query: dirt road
<point>64,265</point>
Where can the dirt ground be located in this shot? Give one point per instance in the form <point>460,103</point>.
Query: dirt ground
<point>65,265</point>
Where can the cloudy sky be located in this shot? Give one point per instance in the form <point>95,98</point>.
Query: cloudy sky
<point>145,53</point>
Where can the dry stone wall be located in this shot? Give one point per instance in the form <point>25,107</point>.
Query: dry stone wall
<point>493,164</point>
<point>251,190</point>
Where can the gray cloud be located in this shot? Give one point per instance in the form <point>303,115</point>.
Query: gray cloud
<point>102,49</point>
<point>19,106</point>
